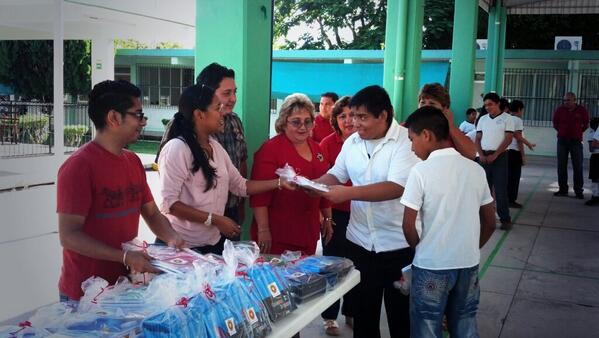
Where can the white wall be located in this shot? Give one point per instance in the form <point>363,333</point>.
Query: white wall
<point>545,139</point>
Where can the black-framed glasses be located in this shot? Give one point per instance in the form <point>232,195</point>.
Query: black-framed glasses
<point>297,123</point>
<point>138,114</point>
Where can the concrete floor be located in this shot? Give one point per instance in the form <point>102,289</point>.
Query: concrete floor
<point>540,279</point>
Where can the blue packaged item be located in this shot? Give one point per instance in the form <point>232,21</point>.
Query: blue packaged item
<point>222,321</point>
<point>273,293</point>
<point>254,312</point>
<point>102,325</point>
<point>334,269</point>
<point>303,285</point>
<point>176,322</point>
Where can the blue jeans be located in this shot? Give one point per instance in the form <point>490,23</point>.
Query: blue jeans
<point>574,148</point>
<point>437,292</point>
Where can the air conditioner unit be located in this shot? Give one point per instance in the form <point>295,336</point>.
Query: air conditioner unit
<point>481,44</point>
<point>568,43</point>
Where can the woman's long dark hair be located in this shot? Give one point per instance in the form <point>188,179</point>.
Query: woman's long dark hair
<point>193,97</point>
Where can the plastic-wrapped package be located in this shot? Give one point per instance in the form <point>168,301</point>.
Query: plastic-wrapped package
<point>287,172</point>
<point>23,330</point>
<point>101,324</point>
<point>120,298</point>
<point>177,321</point>
<point>303,285</point>
<point>53,317</point>
<point>334,269</point>
<point>291,256</point>
<point>273,291</point>
<point>166,258</point>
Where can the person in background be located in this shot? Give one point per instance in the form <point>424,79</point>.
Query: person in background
<point>322,122</point>
<point>102,191</point>
<point>343,123</point>
<point>593,139</point>
<point>458,218</point>
<point>516,156</point>
<point>290,220</point>
<point>434,94</point>
<point>196,173</point>
<point>570,120</point>
<point>468,125</point>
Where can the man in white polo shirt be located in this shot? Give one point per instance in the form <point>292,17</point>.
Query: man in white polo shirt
<point>377,159</point>
<point>494,133</point>
<point>457,219</point>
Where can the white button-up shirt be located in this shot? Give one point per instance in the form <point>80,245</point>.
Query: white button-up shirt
<point>376,226</point>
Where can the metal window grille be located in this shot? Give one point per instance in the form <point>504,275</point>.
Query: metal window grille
<point>162,86</point>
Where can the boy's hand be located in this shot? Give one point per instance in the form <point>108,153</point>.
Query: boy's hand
<point>532,146</point>
<point>176,241</point>
<point>139,261</point>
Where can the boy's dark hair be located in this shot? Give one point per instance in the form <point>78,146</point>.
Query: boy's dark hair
<point>516,105</point>
<point>435,91</point>
<point>594,123</point>
<point>503,103</point>
<point>375,99</point>
<point>491,96</point>
<point>213,74</point>
<point>337,110</point>
<point>471,111</point>
<point>331,95</point>
<point>429,118</point>
<point>110,95</point>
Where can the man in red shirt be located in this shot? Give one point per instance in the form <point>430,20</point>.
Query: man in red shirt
<point>570,120</point>
<point>322,122</point>
<point>101,192</point>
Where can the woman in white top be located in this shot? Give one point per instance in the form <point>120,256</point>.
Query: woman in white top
<point>196,173</point>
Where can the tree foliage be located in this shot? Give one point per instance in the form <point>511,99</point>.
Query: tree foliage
<point>27,67</point>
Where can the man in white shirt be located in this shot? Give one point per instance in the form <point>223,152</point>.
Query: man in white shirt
<point>515,151</point>
<point>377,159</point>
<point>468,125</point>
<point>457,219</point>
<point>494,133</point>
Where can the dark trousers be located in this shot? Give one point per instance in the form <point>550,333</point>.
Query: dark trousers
<point>338,247</point>
<point>574,148</point>
<point>497,179</point>
<point>378,271</point>
<point>233,213</point>
<point>514,172</point>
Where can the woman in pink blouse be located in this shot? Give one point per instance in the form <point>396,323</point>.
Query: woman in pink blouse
<point>196,174</point>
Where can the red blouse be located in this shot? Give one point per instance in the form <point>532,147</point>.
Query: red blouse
<point>322,128</point>
<point>331,147</point>
<point>293,216</point>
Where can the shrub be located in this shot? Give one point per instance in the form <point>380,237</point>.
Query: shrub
<point>73,134</point>
<point>34,128</point>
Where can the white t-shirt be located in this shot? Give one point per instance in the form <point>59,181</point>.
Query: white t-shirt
<point>376,226</point>
<point>518,126</point>
<point>494,129</point>
<point>449,209</point>
<point>466,127</point>
<point>593,135</point>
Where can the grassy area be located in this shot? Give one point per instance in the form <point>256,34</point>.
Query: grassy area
<point>144,147</point>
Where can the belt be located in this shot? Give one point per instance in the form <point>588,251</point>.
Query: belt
<point>488,152</point>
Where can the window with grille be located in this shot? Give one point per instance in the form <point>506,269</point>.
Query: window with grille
<point>162,86</point>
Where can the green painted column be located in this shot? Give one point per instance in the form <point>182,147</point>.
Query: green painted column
<point>495,48</point>
<point>238,35</point>
<point>403,48</point>
<point>463,57</point>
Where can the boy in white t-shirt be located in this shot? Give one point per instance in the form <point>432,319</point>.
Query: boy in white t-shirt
<point>593,138</point>
<point>515,153</point>
<point>468,125</point>
<point>458,218</point>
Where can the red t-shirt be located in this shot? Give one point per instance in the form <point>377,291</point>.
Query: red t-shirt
<point>293,216</point>
<point>322,128</point>
<point>109,191</point>
<point>570,124</point>
<point>331,147</point>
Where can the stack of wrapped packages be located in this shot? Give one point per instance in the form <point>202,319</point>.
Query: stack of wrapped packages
<point>238,294</point>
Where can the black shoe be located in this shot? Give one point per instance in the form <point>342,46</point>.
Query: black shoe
<point>560,193</point>
<point>515,205</point>
<point>593,201</point>
<point>580,196</point>
<point>506,225</point>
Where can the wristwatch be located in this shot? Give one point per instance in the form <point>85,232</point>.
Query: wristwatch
<point>209,219</point>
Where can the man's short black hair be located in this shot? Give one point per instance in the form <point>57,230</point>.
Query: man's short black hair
<point>429,118</point>
<point>471,111</point>
<point>330,95</point>
<point>504,103</point>
<point>110,95</point>
<point>375,99</point>
<point>594,123</point>
<point>491,96</point>
<point>516,105</point>
<point>213,74</point>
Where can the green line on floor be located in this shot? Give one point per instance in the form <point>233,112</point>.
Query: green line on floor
<point>499,244</point>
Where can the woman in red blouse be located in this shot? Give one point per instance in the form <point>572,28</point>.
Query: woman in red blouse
<point>343,124</point>
<point>290,220</point>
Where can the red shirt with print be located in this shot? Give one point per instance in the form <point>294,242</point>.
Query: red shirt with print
<point>109,191</point>
<point>331,147</point>
<point>293,216</point>
<point>322,128</point>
